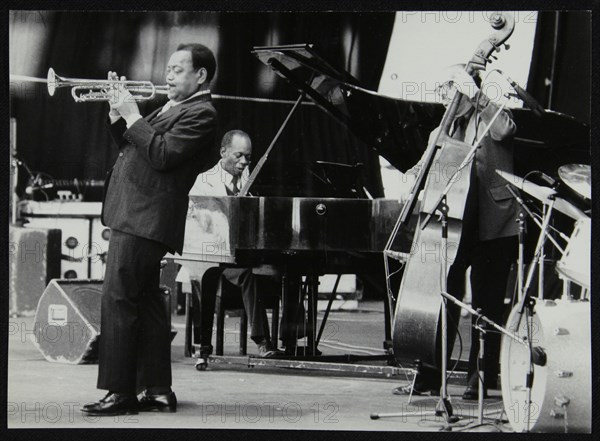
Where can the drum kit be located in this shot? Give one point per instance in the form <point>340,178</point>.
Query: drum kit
<point>546,354</point>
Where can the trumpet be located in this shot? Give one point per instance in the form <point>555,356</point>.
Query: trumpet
<point>97,90</point>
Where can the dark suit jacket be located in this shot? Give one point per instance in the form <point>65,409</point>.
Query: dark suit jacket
<point>146,191</point>
<point>492,208</point>
<point>496,207</point>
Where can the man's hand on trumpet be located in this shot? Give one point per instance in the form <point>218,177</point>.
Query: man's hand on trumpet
<point>121,101</point>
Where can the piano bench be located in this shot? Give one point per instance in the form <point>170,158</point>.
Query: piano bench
<point>229,298</point>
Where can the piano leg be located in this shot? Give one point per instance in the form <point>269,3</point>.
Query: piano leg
<point>293,318</point>
<point>298,321</point>
<point>188,344</point>
<point>328,310</point>
<point>387,344</point>
<point>313,292</point>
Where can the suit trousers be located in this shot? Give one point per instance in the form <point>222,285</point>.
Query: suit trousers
<point>135,341</point>
<point>490,262</point>
<point>490,267</point>
<point>292,324</point>
<point>255,309</point>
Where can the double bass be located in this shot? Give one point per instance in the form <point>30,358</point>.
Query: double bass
<point>417,320</point>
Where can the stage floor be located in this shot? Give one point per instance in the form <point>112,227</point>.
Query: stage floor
<point>48,395</point>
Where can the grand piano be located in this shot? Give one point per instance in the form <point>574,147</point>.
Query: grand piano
<point>340,229</point>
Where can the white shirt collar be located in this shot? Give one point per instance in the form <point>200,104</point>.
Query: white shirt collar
<point>228,176</point>
<point>172,103</point>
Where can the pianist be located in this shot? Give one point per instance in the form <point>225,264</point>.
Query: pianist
<point>226,178</point>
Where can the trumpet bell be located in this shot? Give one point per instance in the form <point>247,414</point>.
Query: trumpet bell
<point>52,82</point>
<point>97,89</point>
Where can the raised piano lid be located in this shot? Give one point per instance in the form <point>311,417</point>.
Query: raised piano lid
<point>398,129</point>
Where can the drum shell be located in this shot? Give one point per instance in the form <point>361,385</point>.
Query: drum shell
<point>576,261</point>
<point>562,329</point>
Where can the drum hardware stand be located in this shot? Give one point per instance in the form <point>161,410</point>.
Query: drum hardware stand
<point>538,249</point>
<point>526,305</point>
<point>537,222</point>
<point>541,259</point>
<point>521,264</point>
<point>480,324</point>
<point>529,305</point>
<point>521,260</point>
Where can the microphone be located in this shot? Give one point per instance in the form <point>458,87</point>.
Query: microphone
<point>547,179</point>
<point>31,188</point>
<point>527,99</point>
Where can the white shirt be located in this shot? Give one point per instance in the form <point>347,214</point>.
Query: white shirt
<point>216,181</point>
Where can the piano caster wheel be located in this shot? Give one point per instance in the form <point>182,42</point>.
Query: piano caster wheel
<point>201,364</point>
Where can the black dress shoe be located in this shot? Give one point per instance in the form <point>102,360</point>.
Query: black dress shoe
<point>158,403</point>
<point>85,407</point>
<point>113,404</point>
<point>267,350</point>
<point>408,389</point>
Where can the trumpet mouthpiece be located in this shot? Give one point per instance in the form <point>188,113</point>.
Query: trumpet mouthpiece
<point>51,82</point>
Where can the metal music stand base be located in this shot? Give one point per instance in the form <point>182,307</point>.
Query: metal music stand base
<point>441,410</point>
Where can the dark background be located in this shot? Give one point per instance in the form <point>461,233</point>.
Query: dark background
<point>66,140</point>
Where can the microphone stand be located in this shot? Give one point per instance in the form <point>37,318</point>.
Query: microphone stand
<point>481,369</point>
<point>444,402</point>
<point>444,406</point>
<point>443,208</point>
<point>15,181</point>
<point>482,317</point>
<point>481,323</point>
<point>17,162</point>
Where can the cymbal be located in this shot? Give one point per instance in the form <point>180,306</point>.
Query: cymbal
<point>543,194</point>
<point>578,177</point>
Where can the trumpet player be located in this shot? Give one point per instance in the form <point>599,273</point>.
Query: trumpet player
<point>145,205</point>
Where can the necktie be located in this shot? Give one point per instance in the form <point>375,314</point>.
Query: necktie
<point>235,186</point>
